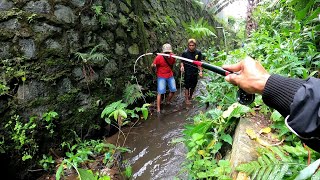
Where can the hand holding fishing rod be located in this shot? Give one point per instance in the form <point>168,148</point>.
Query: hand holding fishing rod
<point>252,78</point>
<point>235,78</point>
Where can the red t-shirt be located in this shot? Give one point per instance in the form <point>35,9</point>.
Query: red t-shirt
<point>163,69</point>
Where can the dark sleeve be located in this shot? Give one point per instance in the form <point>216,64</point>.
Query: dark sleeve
<point>304,119</point>
<point>300,99</point>
<point>279,92</point>
<point>200,56</point>
<point>183,55</point>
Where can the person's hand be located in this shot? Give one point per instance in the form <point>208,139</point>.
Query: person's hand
<point>200,74</point>
<point>252,77</point>
<point>182,68</point>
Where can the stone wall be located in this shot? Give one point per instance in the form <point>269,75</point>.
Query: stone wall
<point>39,41</point>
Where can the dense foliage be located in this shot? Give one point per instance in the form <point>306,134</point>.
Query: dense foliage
<point>287,43</point>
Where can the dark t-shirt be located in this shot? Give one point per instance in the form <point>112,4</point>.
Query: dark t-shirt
<point>190,68</point>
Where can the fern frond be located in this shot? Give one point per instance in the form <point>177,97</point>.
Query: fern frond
<point>132,93</point>
<point>264,168</point>
<point>199,29</point>
<point>275,170</point>
<point>282,172</point>
<point>81,56</point>
<point>97,56</point>
<point>267,173</point>
<point>278,152</point>
<point>94,49</point>
<point>264,165</point>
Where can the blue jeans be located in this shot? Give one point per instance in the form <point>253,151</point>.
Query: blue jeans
<point>162,82</point>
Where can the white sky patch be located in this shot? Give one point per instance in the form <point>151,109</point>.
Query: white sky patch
<point>237,9</point>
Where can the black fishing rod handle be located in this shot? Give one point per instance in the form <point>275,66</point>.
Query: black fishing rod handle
<point>215,69</point>
<point>243,97</point>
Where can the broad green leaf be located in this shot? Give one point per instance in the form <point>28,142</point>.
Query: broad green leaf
<point>59,171</point>
<point>308,171</point>
<point>105,178</point>
<point>86,174</point>
<point>227,138</point>
<point>108,120</point>
<point>123,113</point>
<point>201,175</point>
<point>145,113</point>
<point>115,114</point>
<point>197,136</point>
<point>276,116</point>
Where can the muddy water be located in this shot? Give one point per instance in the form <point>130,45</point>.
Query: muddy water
<point>153,155</point>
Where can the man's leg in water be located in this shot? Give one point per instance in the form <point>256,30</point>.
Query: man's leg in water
<point>172,87</point>
<point>158,102</point>
<point>187,96</point>
<point>161,90</point>
<point>193,84</point>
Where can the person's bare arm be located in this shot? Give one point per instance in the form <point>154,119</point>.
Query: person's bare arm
<point>181,67</point>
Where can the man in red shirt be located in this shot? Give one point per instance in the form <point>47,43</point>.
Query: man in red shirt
<point>164,67</point>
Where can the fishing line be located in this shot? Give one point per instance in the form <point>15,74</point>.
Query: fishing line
<point>134,71</point>
<point>242,96</point>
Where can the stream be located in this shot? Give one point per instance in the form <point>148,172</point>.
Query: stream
<point>153,155</point>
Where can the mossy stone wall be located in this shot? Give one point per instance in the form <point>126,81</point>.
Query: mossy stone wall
<point>38,42</point>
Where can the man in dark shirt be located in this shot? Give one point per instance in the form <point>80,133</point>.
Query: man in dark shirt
<point>191,71</point>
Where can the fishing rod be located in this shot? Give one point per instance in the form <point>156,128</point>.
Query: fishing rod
<point>242,96</point>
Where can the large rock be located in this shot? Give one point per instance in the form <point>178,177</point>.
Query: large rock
<point>244,148</point>
<point>5,5</point>
<point>46,28</point>
<point>78,3</point>
<point>11,24</point>
<point>5,50</point>
<point>28,48</point>
<point>31,91</point>
<point>64,14</point>
<point>38,7</point>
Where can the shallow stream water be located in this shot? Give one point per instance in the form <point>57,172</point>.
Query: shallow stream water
<point>153,155</point>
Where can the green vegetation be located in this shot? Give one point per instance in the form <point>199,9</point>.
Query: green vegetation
<point>286,43</point>
<point>200,29</point>
<point>102,16</point>
<point>204,139</point>
<point>84,152</point>
<point>132,93</point>
<point>22,135</point>
<point>275,162</point>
